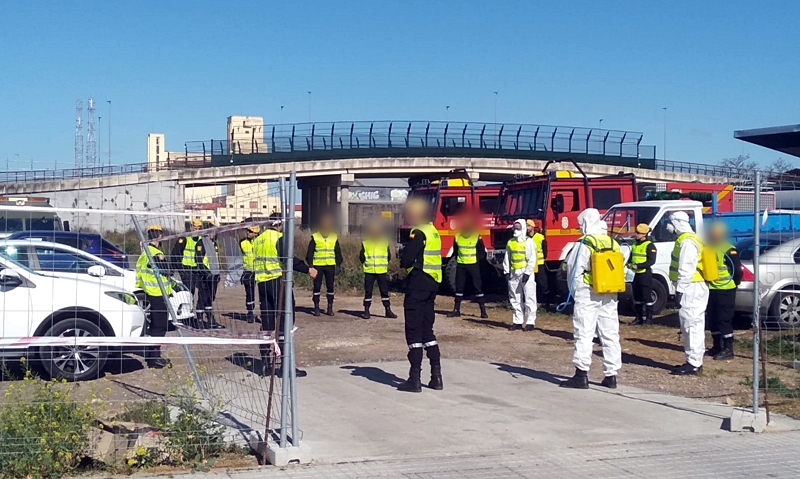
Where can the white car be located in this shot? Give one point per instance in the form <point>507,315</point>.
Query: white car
<point>35,304</point>
<point>68,262</point>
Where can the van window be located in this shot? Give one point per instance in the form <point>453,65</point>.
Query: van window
<point>660,233</point>
<point>487,204</point>
<point>605,198</point>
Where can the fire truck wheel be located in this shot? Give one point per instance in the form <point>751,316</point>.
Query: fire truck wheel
<point>450,275</point>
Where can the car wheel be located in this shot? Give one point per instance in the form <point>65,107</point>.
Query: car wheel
<point>785,309</point>
<point>450,274</point>
<point>659,296</point>
<point>74,363</point>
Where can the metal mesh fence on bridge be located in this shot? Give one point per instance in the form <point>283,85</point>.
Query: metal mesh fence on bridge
<point>128,356</point>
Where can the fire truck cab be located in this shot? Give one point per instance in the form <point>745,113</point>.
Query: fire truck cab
<point>451,197</point>
<point>555,198</point>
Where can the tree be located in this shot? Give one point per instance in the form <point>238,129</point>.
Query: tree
<point>742,162</point>
<point>779,166</point>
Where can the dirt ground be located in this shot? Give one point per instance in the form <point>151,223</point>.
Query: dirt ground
<point>648,352</point>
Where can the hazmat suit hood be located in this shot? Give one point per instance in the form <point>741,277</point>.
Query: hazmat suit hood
<point>521,234</point>
<point>680,222</point>
<point>589,222</point>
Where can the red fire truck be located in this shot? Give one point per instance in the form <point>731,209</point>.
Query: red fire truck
<point>555,198</point>
<point>451,197</point>
<point>716,197</point>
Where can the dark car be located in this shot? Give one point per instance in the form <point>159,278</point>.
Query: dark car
<point>92,243</point>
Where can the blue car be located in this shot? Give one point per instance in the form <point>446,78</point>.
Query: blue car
<point>92,243</point>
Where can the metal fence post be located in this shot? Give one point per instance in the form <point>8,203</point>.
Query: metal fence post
<point>290,314</point>
<point>756,287</point>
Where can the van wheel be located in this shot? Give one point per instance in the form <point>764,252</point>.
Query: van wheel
<point>659,296</point>
<point>73,363</point>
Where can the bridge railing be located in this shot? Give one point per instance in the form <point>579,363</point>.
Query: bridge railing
<point>703,169</point>
<point>70,173</point>
<point>306,137</point>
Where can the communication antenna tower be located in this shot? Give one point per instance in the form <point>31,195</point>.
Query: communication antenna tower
<point>78,134</point>
<point>91,141</point>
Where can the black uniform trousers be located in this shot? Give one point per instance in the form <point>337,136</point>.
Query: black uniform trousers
<point>249,283</point>
<point>159,324</point>
<point>419,318</point>
<point>720,310</point>
<point>268,297</point>
<point>542,285</point>
<point>470,272</point>
<point>643,292</point>
<point>327,273</point>
<point>189,279</point>
<point>207,286</point>
<point>383,286</point>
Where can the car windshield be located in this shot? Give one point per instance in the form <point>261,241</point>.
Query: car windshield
<point>622,221</point>
<point>746,248</point>
<point>522,202</point>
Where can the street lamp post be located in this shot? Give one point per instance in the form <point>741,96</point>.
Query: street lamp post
<point>665,133</point>
<point>309,108</point>
<point>109,132</point>
<point>495,118</point>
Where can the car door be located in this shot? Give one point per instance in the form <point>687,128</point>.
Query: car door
<point>15,305</point>
<point>74,265</point>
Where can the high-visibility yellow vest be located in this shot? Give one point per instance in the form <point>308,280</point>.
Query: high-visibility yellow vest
<point>467,248</point>
<point>189,252</point>
<point>725,281</point>
<point>432,257</point>
<point>376,256</point>
<point>324,249</point>
<point>676,254</point>
<point>597,243</point>
<point>517,256</point>
<point>538,239</point>
<point>248,258</point>
<point>639,254</point>
<point>146,277</point>
<point>266,263</point>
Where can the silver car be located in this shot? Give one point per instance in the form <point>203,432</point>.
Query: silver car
<point>779,278</point>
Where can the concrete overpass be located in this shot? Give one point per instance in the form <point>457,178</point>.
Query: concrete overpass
<point>329,163</point>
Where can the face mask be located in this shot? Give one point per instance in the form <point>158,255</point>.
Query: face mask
<point>670,228</point>
<point>519,234</point>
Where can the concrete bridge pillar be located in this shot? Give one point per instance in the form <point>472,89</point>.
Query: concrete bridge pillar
<point>319,197</point>
<point>346,181</point>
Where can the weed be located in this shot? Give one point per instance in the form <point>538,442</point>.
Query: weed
<point>775,385</point>
<point>779,346</point>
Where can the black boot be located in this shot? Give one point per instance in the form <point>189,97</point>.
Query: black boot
<point>717,345</point>
<point>638,321</point>
<point>212,324</point>
<point>648,318</point>
<point>579,381</point>
<point>456,312</point>
<point>483,310</point>
<point>389,313</point>
<point>251,318</point>
<point>316,308</point>
<point>365,314</point>
<point>413,384</point>
<point>686,370</point>
<point>609,382</point>
<point>329,311</point>
<point>436,378</point>
<point>727,350</point>
<point>515,327</point>
<point>154,360</point>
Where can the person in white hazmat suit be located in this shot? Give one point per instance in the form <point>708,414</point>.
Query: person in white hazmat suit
<point>518,264</point>
<point>691,292</point>
<point>593,313</point>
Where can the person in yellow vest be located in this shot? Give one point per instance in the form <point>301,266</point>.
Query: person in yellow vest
<point>268,251</point>
<point>542,281</point>
<point>375,256</point>
<point>422,259</point>
<point>209,271</point>
<point>147,280</point>
<point>469,252</point>
<point>593,313</point>
<point>722,293</point>
<point>324,254</point>
<point>184,257</point>
<point>518,265</point>
<point>248,274</point>
<point>691,291</point>
<point>641,261</point>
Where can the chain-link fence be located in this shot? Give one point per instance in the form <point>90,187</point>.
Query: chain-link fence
<point>149,333</point>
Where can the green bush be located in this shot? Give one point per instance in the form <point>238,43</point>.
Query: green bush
<point>351,278</point>
<point>44,432</point>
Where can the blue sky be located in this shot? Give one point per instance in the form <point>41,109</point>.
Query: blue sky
<point>180,68</point>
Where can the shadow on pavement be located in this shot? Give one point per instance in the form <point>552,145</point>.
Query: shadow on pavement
<point>374,374</point>
<point>531,373</point>
<point>628,358</point>
<point>351,312</point>
<point>565,335</point>
<point>486,322</point>
<point>656,344</point>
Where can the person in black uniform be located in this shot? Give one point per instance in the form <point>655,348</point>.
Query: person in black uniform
<point>325,254</point>
<point>643,257</point>
<point>422,258</point>
<point>722,293</point>
<point>375,256</point>
<point>183,258</point>
<point>208,274</point>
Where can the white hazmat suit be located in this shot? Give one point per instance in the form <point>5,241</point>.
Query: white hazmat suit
<point>521,294</point>
<point>592,313</point>
<point>693,295</point>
